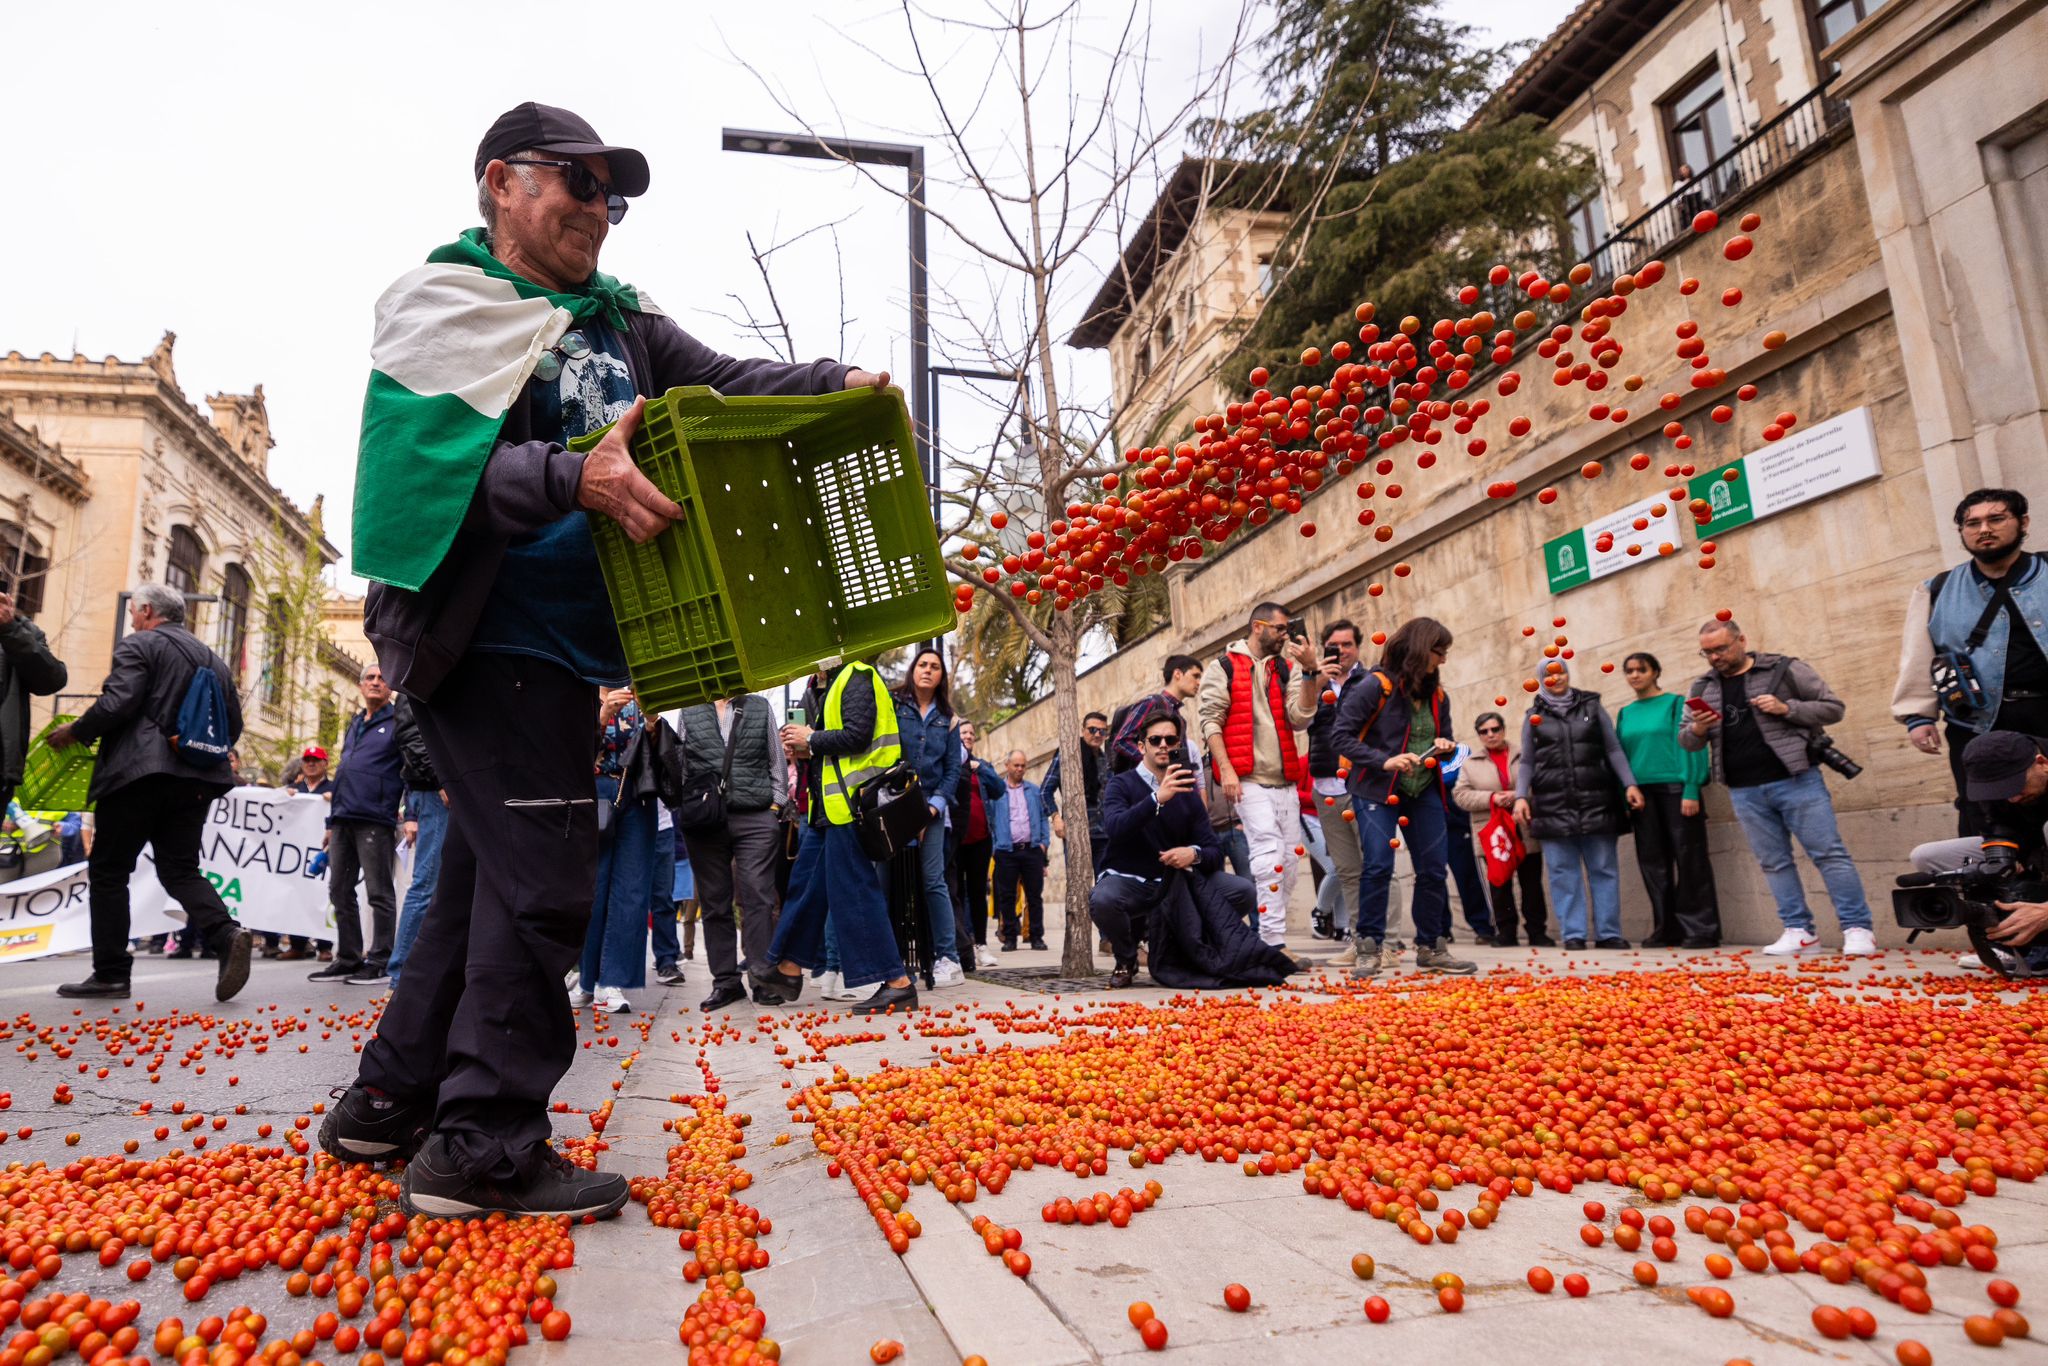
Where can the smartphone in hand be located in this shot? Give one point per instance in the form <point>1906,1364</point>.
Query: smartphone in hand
<point>1697,707</point>
<point>795,715</point>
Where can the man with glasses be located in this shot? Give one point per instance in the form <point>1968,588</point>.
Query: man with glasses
<point>1976,644</point>
<point>1759,713</point>
<point>487,608</point>
<point>1339,669</point>
<point>1094,735</point>
<point>1157,826</point>
<point>1256,696</point>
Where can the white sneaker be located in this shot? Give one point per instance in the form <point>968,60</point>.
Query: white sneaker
<point>832,987</point>
<point>612,1001</point>
<point>579,998</point>
<point>1857,943</point>
<point>946,973</point>
<point>1793,941</point>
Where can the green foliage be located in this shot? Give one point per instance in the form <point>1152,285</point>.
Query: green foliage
<point>1421,203</point>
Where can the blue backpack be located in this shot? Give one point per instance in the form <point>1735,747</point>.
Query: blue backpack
<point>201,736</point>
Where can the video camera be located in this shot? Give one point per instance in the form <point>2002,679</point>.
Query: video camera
<point>1966,899</point>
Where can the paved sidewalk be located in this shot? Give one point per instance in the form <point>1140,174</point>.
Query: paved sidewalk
<point>833,1287</point>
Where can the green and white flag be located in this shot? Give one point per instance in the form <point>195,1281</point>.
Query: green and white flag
<point>457,339</point>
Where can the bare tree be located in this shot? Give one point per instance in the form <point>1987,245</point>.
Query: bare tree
<point>1041,177</point>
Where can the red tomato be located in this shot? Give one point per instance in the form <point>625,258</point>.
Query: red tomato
<point>1154,1334</point>
<point>1541,1281</point>
<point>1376,1309</point>
<point>1236,1298</point>
<point>1576,1286</point>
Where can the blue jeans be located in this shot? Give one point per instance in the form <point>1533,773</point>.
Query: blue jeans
<point>1563,856</point>
<point>1775,812</point>
<point>1424,838</point>
<point>661,904</point>
<point>938,902</point>
<point>1237,850</point>
<point>615,949</point>
<point>431,812</point>
<point>834,874</point>
<point>1472,895</point>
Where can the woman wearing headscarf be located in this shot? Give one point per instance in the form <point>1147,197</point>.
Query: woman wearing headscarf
<point>1575,791</point>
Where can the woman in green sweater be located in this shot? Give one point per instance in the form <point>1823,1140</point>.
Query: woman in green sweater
<point>1671,827</point>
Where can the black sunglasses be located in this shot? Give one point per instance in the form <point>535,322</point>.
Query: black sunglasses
<point>1490,730</point>
<point>1154,741</point>
<point>1098,730</point>
<point>582,185</point>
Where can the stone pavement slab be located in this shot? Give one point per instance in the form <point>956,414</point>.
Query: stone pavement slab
<point>833,1287</point>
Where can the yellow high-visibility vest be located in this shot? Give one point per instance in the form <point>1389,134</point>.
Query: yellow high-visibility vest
<point>837,776</point>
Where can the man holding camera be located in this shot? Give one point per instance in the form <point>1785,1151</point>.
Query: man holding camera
<point>1156,825</point>
<point>1762,714</point>
<point>2005,779</point>
<point>1253,703</point>
<point>1976,644</point>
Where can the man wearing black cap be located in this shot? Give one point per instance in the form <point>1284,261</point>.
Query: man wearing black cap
<point>2005,774</point>
<point>487,608</point>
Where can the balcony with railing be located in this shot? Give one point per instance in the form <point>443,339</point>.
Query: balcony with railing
<point>1777,148</point>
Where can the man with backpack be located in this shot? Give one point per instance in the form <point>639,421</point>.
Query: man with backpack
<point>167,716</point>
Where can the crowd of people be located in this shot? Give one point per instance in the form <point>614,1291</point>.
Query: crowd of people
<point>852,845</point>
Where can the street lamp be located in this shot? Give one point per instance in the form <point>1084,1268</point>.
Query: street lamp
<point>909,156</point>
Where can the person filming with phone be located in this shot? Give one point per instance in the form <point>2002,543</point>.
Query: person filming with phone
<point>1160,841</point>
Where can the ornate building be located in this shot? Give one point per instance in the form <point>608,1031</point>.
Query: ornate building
<point>109,475</point>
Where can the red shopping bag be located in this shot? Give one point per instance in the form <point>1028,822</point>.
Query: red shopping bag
<point>1503,847</point>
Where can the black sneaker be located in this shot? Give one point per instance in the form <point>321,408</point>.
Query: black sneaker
<point>1700,941</point>
<point>1038,944</point>
<point>1575,944</point>
<point>334,972</point>
<point>433,1187</point>
<point>368,975</point>
<point>234,965</point>
<point>95,987</point>
<point>1542,941</point>
<point>903,998</point>
<point>1615,943</point>
<point>731,993</point>
<point>367,1125</point>
<point>668,974</point>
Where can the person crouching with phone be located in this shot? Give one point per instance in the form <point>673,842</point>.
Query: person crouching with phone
<point>1157,825</point>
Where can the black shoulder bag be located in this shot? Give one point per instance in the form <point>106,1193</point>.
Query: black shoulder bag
<point>1953,673</point>
<point>700,807</point>
<point>889,812</point>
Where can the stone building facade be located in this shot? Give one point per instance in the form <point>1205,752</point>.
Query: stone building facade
<point>1905,226</point>
<point>109,475</point>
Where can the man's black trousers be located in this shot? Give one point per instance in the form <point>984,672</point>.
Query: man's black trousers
<point>480,1018</point>
<point>168,814</point>
<point>1017,867</point>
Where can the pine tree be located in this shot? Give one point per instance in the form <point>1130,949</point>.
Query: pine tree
<point>1423,201</point>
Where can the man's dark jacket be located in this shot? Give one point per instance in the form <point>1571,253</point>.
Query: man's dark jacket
<point>137,713</point>
<point>530,481</point>
<point>368,782</point>
<point>28,667</point>
<point>1139,830</point>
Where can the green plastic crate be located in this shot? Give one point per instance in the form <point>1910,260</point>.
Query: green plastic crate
<point>807,536</point>
<point>56,779</point>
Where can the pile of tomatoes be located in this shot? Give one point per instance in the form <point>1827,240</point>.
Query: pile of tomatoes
<point>697,1198</point>
<point>1396,394</point>
<point>1790,1127</point>
<point>453,1292</point>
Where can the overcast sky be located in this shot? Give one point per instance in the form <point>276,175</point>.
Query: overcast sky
<point>251,177</point>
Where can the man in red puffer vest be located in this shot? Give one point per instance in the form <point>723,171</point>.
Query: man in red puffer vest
<point>1255,709</point>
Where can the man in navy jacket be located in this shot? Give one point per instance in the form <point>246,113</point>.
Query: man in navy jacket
<point>362,837</point>
<point>1156,824</point>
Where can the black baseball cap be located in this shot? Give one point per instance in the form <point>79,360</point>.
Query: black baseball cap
<point>544,128</point>
<point>1995,765</point>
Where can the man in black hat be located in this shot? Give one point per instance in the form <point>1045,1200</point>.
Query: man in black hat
<point>2005,774</point>
<point>488,609</point>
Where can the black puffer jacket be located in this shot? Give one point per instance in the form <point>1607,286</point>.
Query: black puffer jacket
<point>1574,770</point>
<point>27,667</point>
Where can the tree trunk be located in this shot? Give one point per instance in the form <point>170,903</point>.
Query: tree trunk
<point>1077,951</point>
